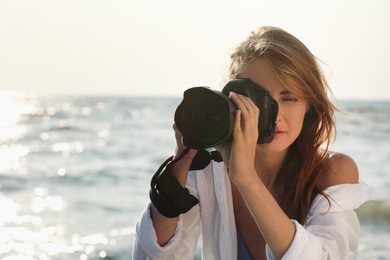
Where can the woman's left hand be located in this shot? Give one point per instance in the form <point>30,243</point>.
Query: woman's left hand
<point>245,136</point>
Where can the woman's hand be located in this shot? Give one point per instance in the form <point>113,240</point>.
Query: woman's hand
<point>181,167</point>
<point>245,136</point>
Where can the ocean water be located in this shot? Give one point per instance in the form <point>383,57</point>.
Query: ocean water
<point>75,172</point>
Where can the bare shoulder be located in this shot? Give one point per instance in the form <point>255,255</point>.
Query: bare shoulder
<point>339,169</point>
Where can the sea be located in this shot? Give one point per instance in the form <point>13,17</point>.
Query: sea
<point>75,171</point>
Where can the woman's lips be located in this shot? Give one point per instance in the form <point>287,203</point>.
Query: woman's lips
<point>279,133</point>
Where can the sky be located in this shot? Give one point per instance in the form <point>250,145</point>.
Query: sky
<point>161,48</point>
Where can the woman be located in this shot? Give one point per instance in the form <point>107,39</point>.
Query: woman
<point>288,199</point>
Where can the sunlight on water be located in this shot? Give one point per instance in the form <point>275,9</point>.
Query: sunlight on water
<point>67,148</point>
<point>10,157</point>
<point>23,235</point>
<point>53,202</point>
<point>11,154</point>
<point>8,210</point>
<point>31,222</point>
<point>10,115</point>
<point>9,111</point>
<point>27,236</point>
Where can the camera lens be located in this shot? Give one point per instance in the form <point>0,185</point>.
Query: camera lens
<point>204,118</point>
<point>212,118</point>
<point>208,119</point>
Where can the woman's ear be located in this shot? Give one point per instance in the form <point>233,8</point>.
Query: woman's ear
<point>308,114</point>
<point>307,108</point>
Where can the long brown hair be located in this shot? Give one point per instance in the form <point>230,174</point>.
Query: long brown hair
<point>299,71</point>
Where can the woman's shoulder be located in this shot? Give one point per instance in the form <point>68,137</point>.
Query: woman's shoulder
<point>338,169</point>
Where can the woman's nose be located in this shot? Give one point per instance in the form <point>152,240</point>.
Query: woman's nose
<point>280,113</point>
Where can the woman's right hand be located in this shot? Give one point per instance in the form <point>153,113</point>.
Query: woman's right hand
<point>180,168</point>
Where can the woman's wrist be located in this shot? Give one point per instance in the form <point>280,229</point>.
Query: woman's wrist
<point>244,181</point>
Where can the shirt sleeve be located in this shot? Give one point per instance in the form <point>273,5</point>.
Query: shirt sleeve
<point>182,245</point>
<point>331,230</point>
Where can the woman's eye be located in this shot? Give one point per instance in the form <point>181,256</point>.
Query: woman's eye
<point>289,99</point>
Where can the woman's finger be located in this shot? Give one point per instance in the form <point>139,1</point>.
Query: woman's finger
<point>237,125</point>
<point>179,139</point>
<point>180,147</point>
<point>239,100</point>
<point>249,110</point>
<point>243,102</point>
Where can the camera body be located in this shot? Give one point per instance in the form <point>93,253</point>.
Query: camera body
<point>205,117</point>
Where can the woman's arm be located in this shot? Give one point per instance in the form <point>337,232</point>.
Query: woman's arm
<point>158,236</point>
<point>277,229</point>
<point>182,245</point>
<point>331,231</point>
<point>165,227</point>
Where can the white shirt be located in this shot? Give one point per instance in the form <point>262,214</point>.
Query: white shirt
<point>330,232</point>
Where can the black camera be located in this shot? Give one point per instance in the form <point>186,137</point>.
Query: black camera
<point>205,117</point>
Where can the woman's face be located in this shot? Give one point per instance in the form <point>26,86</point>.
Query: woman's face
<point>292,110</point>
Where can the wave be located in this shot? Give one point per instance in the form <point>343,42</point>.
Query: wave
<point>374,212</point>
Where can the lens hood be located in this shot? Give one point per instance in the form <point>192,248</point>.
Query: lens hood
<point>205,117</point>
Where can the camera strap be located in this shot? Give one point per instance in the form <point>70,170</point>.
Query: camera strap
<point>166,193</point>
<point>203,158</point>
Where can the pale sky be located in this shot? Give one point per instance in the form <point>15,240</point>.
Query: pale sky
<point>137,47</point>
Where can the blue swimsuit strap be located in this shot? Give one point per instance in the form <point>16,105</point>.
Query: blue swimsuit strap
<point>242,251</point>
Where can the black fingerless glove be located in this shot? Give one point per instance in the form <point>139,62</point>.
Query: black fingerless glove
<point>166,193</point>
